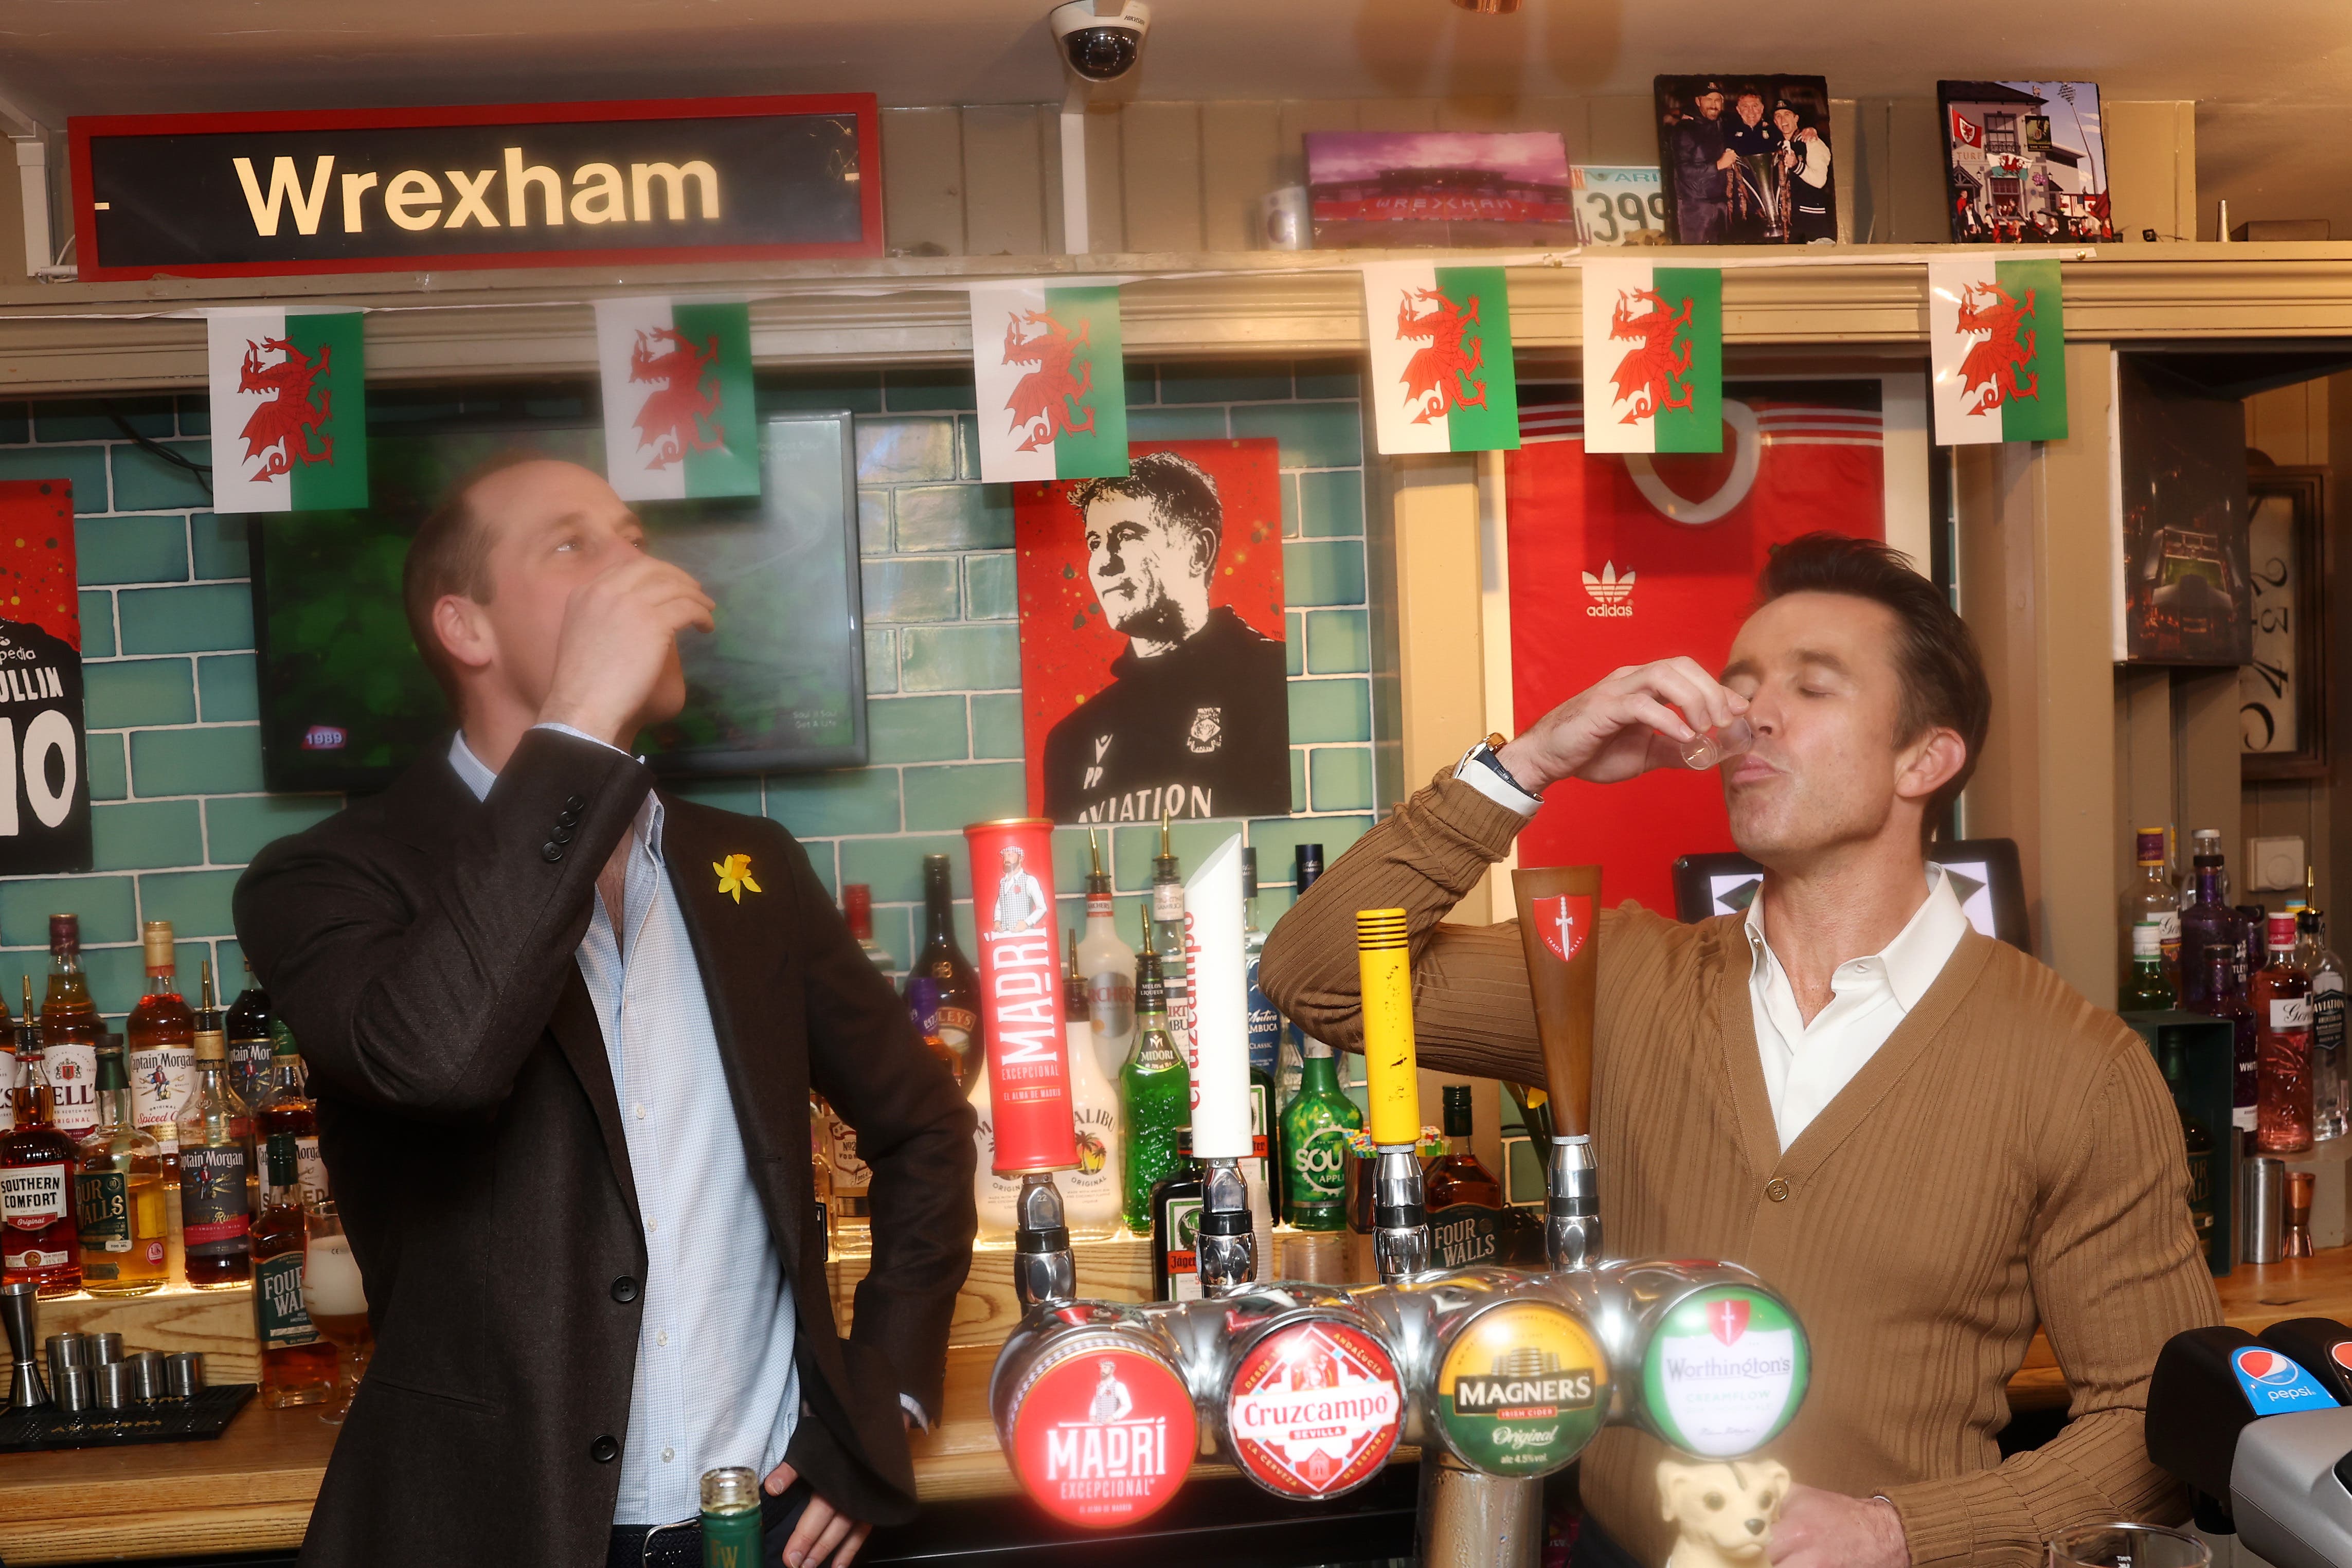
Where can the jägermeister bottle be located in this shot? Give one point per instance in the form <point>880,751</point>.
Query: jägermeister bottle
<point>1315,1128</point>
<point>1154,1091</point>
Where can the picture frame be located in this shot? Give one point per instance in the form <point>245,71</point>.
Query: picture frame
<point>2283,691</point>
<point>1745,159</point>
<point>1396,189</point>
<point>2024,162</point>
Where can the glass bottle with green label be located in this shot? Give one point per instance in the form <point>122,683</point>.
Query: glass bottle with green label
<point>1315,1128</point>
<point>298,1368</point>
<point>215,1155</point>
<point>1155,1092</point>
<point>731,1518</point>
<point>119,1194</point>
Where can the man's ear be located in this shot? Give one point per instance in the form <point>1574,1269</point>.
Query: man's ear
<point>464,632</point>
<point>1929,763</point>
<point>1201,552</point>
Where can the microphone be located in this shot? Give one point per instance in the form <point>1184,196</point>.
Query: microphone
<point>2254,1424</point>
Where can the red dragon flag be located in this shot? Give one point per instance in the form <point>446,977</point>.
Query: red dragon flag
<point>1997,335</point>
<point>1443,376</point>
<point>1652,357</point>
<point>1051,376</point>
<point>289,410</point>
<point>678,415</point>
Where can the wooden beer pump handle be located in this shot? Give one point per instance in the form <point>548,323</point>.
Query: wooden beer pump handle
<point>1560,913</point>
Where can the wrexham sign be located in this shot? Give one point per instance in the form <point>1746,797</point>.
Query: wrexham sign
<point>722,179</point>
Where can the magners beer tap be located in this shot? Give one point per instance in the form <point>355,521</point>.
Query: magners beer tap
<point>1559,913</point>
<point>1399,1204</point>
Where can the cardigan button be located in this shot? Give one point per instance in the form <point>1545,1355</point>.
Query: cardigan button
<point>1778,1191</point>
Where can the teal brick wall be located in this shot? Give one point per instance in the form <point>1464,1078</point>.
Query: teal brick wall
<point>175,755</point>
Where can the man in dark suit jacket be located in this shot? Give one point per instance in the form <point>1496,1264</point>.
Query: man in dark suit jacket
<point>562,1028</point>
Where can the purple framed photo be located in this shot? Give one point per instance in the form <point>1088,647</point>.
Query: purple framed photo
<point>1453,188</point>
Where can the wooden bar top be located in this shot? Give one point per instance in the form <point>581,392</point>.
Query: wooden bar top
<point>251,1489</point>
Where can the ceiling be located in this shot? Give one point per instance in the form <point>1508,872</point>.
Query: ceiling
<point>2270,77</point>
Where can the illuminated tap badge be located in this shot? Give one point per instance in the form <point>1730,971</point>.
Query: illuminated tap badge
<point>1725,1372</point>
<point>1521,1390</point>
<point>1315,1409</point>
<point>1103,1435</point>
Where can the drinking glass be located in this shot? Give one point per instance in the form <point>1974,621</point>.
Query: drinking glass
<point>2128,1546</point>
<point>1710,746</point>
<point>337,1302</point>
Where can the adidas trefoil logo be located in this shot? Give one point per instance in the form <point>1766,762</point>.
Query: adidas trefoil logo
<point>1611,595</point>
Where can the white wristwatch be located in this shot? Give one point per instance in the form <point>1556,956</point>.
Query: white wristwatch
<point>1484,771</point>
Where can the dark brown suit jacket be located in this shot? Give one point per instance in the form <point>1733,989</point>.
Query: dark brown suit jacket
<point>420,944</point>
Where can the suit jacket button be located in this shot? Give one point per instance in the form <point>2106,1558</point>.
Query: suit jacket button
<point>568,817</point>
<point>624,1290</point>
<point>604,1450</point>
<point>575,802</point>
<point>1778,1191</point>
<point>563,834</point>
<point>551,853</point>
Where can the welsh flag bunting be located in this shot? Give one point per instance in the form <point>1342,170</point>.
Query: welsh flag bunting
<point>1652,357</point>
<point>678,415</point>
<point>1997,336</point>
<point>289,410</point>
<point>1442,375</point>
<point>1051,376</point>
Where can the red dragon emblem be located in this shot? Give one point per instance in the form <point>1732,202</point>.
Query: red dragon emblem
<point>1045,402</point>
<point>672,418</point>
<point>283,424</point>
<point>1437,379</point>
<point>1990,308</point>
<point>1650,376</point>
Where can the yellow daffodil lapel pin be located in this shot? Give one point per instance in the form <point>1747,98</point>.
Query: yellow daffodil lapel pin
<point>735,876</point>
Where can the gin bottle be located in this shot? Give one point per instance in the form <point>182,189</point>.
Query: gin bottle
<point>2331,1074</point>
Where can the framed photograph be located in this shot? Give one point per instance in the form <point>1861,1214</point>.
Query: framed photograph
<point>1746,160</point>
<point>2282,693</point>
<point>2181,591</point>
<point>45,819</point>
<point>1448,188</point>
<point>1618,204</point>
<point>2025,160</point>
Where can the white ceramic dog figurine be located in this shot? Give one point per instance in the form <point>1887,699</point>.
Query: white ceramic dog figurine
<point>1723,1512</point>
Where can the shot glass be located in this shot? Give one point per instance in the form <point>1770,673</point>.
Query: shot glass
<point>1711,746</point>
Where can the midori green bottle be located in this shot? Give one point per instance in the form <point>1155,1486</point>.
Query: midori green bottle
<point>1154,1091</point>
<point>1315,1128</point>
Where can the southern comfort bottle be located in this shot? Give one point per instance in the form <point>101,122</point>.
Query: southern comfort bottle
<point>37,1164</point>
<point>215,1156</point>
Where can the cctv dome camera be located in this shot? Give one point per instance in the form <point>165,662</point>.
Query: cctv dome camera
<point>1097,46</point>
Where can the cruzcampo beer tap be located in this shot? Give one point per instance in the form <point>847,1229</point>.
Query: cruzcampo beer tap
<point>1400,1207</point>
<point>1559,928</point>
<point>1228,1247</point>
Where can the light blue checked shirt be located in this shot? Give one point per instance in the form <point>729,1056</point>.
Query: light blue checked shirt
<point>715,1380</point>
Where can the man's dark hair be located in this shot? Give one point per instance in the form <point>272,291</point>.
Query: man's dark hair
<point>1178,488</point>
<point>451,554</point>
<point>1943,678</point>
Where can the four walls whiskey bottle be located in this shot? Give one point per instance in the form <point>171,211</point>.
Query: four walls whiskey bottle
<point>37,1169</point>
<point>298,1368</point>
<point>118,1194</point>
<point>215,1138</point>
<point>1465,1201</point>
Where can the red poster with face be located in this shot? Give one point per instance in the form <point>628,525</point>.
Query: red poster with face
<point>1623,560</point>
<point>45,822</point>
<point>1152,668</point>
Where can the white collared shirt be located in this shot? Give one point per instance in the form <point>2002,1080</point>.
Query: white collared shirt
<point>1805,1064</point>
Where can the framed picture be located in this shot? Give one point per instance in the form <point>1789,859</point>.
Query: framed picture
<point>1447,188</point>
<point>2025,160</point>
<point>2178,493</point>
<point>2282,693</point>
<point>1746,160</point>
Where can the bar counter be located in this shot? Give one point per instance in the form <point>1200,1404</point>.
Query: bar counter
<point>252,1489</point>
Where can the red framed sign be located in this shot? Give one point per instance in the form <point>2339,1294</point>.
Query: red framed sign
<point>549,184</point>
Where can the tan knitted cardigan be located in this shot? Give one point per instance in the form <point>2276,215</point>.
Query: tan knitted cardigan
<point>2009,1157</point>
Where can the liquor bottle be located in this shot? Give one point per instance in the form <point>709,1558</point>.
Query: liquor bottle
<point>1264,1056</point>
<point>1155,1092</point>
<point>2154,901</point>
<point>731,1518</point>
<point>1169,933</point>
<point>2219,997</point>
<point>851,1178</point>
<point>943,961</point>
<point>162,1063</point>
<point>2196,1140</point>
<point>858,908</point>
<point>118,1194</point>
<point>821,1180</point>
<point>298,1368</point>
<point>252,1041</point>
<point>997,1197</point>
<point>215,1164</point>
<point>2282,1008</point>
<point>1108,964</point>
<point>923,1007</point>
<point>1307,867</point>
<point>2331,1072</point>
<point>1315,1128</point>
<point>1091,1204</point>
<point>70,1029</point>
<point>2145,987</point>
<point>1465,1201</point>
<point>287,1107</point>
<point>8,1066</point>
<point>2207,921</point>
<point>1175,1203</point>
<point>37,1240</point>
<point>2254,933</point>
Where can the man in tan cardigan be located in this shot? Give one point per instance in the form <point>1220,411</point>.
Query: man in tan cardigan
<point>1922,1137</point>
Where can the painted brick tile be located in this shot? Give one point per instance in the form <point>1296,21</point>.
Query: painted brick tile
<point>196,902</point>
<point>83,466</point>
<point>1323,572</point>
<point>817,805</point>
<point>1313,435</point>
<point>988,589</point>
<point>237,827</point>
<point>145,482</point>
<point>1330,711</point>
<point>85,419</point>
<point>220,545</point>
<point>961,658</point>
<point>1331,505</point>
<point>960,793</point>
<point>1339,778</point>
<point>899,590</point>
<point>202,617</point>
<point>1223,380</point>
<point>893,868</point>
<point>132,550</point>
<point>226,687</point>
<point>110,777</point>
<point>106,906</point>
<point>996,725</point>
<point>225,761</point>
<point>916,729</point>
<point>141,834</point>
<point>123,693</point>
<point>955,517</point>
<point>893,451</point>
<point>1339,642</point>
<point>97,624</point>
<point>881,661</point>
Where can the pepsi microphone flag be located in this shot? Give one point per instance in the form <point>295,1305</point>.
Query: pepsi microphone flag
<point>1050,370</point>
<point>1652,357</point>
<point>678,415</point>
<point>1444,379</point>
<point>1997,339</point>
<point>289,410</point>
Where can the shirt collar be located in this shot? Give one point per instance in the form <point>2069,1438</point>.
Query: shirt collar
<point>476,776</point>
<point>1916,957</point>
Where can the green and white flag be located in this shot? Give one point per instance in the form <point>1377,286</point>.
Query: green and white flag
<point>1442,375</point>
<point>1050,373</point>
<point>1996,337</point>
<point>1652,357</point>
<point>289,410</point>
<point>678,415</point>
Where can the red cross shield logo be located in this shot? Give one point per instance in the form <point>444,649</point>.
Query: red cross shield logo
<point>1727,1320</point>
<point>1564,920</point>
